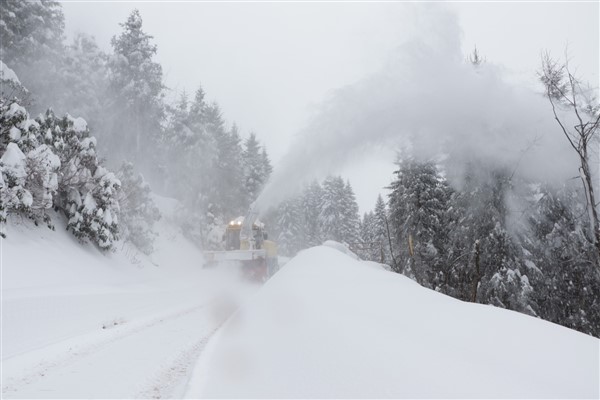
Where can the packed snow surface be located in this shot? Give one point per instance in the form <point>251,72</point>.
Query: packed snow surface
<point>79,323</point>
<point>328,326</point>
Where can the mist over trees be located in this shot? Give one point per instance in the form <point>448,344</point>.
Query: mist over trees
<point>183,150</point>
<point>475,244</point>
<point>564,90</point>
<point>322,211</point>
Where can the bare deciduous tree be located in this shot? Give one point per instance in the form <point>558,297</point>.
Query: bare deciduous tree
<point>565,91</point>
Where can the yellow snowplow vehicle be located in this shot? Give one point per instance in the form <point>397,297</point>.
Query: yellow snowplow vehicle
<point>247,245</point>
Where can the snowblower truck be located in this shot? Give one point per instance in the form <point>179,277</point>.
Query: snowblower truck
<point>246,244</point>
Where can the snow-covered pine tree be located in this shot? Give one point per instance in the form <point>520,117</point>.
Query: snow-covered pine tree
<point>568,282</point>
<point>226,196</point>
<point>51,162</point>
<point>28,183</point>
<point>332,209</point>
<point>11,87</point>
<point>30,29</point>
<point>288,223</point>
<point>28,169</point>
<point>138,213</point>
<point>351,217</point>
<point>502,283</point>
<point>136,96</point>
<point>87,192</point>
<point>236,199</point>
<point>188,157</point>
<point>254,167</point>
<point>486,262</point>
<point>267,168</point>
<point>198,109</point>
<point>177,140</point>
<point>339,217</point>
<point>202,174</point>
<point>16,126</point>
<point>369,249</point>
<point>311,203</point>
<point>380,231</point>
<point>85,74</point>
<point>31,34</point>
<point>418,202</point>
<point>13,195</point>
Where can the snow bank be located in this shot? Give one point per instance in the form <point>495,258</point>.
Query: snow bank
<point>329,326</point>
<point>340,247</point>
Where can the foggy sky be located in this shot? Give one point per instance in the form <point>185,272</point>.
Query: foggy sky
<point>270,65</point>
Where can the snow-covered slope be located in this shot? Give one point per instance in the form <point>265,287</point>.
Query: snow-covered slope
<point>77,322</point>
<point>330,326</point>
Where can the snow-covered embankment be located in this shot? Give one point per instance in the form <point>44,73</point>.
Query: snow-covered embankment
<point>330,326</point>
<point>79,323</point>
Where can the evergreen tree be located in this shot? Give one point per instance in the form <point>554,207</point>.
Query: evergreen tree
<point>198,109</point>
<point>254,167</point>
<point>28,168</point>
<point>235,199</point>
<point>339,217</point>
<point>351,217</point>
<point>369,249</point>
<point>83,84</point>
<point>51,163</point>
<point>288,223</point>
<point>136,95</point>
<point>31,37</point>
<point>138,213</point>
<point>30,30</point>
<point>331,215</point>
<point>486,262</point>
<point>87,192</point>
<point>567,281</point>
<point>267,168</point>
<point>311,203</point>
<point>380,231</point>
<point>202,161</point>
<point>418,203</point>
<point>189,158</point>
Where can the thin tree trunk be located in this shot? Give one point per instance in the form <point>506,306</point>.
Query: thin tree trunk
<point>477,277</point>
<point>387,227</point>
<point>589,188</point>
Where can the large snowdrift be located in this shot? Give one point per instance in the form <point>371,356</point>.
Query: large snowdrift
<point>329,326</point>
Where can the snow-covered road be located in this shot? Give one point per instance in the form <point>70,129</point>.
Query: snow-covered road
<point>155,354</point>
<point>77,323</point>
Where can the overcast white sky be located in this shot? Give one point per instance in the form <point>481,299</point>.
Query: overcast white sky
<point>269,64</point>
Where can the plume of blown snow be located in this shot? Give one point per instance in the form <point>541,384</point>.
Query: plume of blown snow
<point>429,98</point>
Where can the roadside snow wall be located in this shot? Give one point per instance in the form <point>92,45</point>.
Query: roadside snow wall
<point>329,326</point>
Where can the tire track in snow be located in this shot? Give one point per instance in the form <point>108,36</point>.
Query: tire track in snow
<point>171,380</point>
<point>74,353</point>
